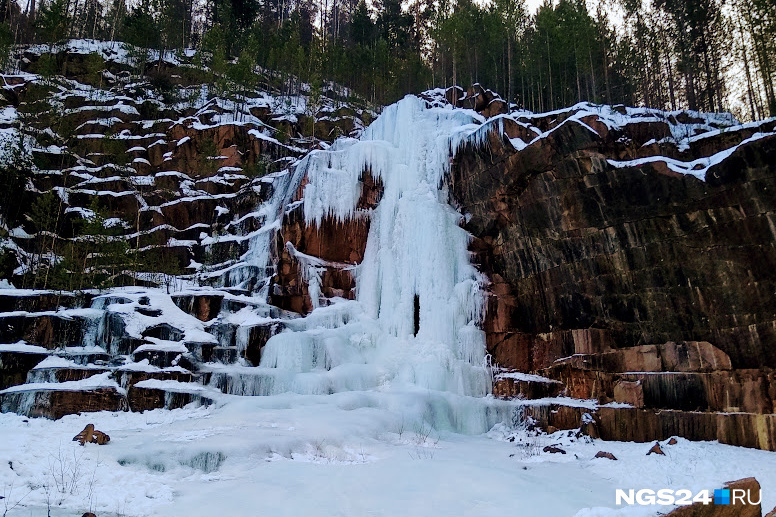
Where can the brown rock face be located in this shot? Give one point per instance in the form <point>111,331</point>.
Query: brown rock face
<point>736,508</point>
<point>634,285</point>
<point>143,399</point>
<point>328,250</point>
<point>751,430</point>
<point>629,393</point>
<point>507,388</point>
<point>558,416</point>
<point>43,329</point>
<point>631,255</point>
<point>56,404</point>
<point>14,367</point>
<point>203,307</point>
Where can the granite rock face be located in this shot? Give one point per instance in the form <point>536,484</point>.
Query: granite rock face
<point>625,277</point>
<point>585,256</point>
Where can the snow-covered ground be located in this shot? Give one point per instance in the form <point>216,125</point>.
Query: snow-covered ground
<point>338,455</point>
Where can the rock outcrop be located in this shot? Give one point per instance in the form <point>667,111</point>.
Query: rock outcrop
<point>618,271</point>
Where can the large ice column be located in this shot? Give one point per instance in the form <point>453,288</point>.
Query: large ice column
<point>416,274</point>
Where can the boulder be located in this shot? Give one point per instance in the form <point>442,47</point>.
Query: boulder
<point>90,435</point>
<point>607,455</point>
<point>494,107</point>
<point>553,450</point>
<point>454,94</point>
<point>656,450</point>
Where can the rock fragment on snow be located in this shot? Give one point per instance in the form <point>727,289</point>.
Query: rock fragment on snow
<point>656,450</point>
<point>604,454</point>
<point>90,435</point>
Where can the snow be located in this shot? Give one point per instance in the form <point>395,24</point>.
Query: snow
<point>697,168</point>
<point>178,387</point>
<point>159,345</point>
<point>56,362</point>
<point>101,380</point>
<point>144,366</point>
<point>527,377</point>
<point>255,456</point>
<point>23,348</point>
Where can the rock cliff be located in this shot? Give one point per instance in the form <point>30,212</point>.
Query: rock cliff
<point>629,253</point>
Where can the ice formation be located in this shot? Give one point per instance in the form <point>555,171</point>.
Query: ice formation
<point>409,344</point>
<point>414,324</point>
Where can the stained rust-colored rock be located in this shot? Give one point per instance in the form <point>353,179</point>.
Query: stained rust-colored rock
<point>55,404</point>
<point>656,449</point>
<point>91,435</point>
<point>607,455</point>
<point>574,243</point>
<point>628,392</point>
<point>507,387</point>
<point>144,399</point>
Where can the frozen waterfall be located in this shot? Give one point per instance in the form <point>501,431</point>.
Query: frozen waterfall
<point>414,324</point>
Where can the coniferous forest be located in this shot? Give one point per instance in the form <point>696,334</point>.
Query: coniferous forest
<point>699,54</point>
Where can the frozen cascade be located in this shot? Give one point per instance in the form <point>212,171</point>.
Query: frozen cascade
<point>416,250</point>
<point>255,266</point>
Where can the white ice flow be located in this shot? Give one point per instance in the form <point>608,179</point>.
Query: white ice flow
<point>414,324</point>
